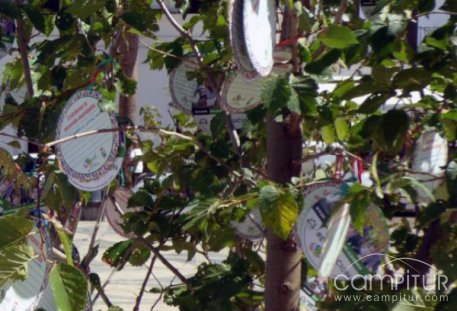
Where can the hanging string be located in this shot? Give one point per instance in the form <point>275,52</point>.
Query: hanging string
<point>99,69</point>
<point>339,166</point>
<point>290,41</point>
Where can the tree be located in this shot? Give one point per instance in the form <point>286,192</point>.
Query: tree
<point>203,183</point>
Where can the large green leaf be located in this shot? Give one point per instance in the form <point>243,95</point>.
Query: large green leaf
<point>279,210</point>
<point>338,37</point>
<point>277,94</point>
<point>14,261</point>
<point>13,228</point>
<point>69,287</point>
<point>84,9</point>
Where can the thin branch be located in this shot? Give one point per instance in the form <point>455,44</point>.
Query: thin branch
<point>150,47</point>
<point>338,19</point>
<point>145,282</point>
<point>101,292</point>
<point>162,259</point>
<point>161,292</point>
<point>186,34</point>
<point>21,138</point>
<point>91,251</point>
<point>104,285</point>
<point>22,44</point>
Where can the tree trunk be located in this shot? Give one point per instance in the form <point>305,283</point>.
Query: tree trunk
<point>128,50</point>
<point>284,145</point>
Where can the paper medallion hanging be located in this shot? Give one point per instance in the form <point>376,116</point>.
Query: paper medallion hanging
<point>90,162</point>
<point>321,200</point>
<point>182,89</point>
<point>251,228</point>
<point>237,40</point>
<point>259,27</point>
<point>429,157</point>
<point>116,206</point>
<point>25,295</point>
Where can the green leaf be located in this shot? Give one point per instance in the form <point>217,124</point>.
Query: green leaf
<point>432,212</point>
<point>372,103</point>
<point>69,287</point>
<point>65,240</point>
<point>318,66</point>
<point>279,210</point>
<point>328,133</point>
<point>390,133</point>
<point>84,9</point>
<point>139,256</point>
<point>36,17</point>
<point>117,253</point>
<point>412,79</point>
<point>14,261</point>
<point>342,128</point>
<point>14,144</point>
<point>338,37</point>
<point>219,124</point>
<point>277,94</point>
<point>13,228</point>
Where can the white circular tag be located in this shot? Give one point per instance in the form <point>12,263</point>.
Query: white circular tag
<point>182,89</point>
<point>251,228</point>
<point>259,25</point>
<point>237,40</point>
<point>90,162</point>
<point>117,206</point>
<point>25,295</point>
<point>430,155</point>
<point>319,201</point>
<point>239,95</point>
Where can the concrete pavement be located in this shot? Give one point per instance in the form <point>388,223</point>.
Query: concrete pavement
<point>125,285</point>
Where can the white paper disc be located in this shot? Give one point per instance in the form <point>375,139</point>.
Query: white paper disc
<point>182,89</point>
<point>259,25</point>
<point>319,200</point>
<point>25,295</point>
<point>204,121</point>
<point>237,40</point>
<point>115,207</point>
<point>90,162</point>
<point>430,155</point>
<point>251,228</point>
<point>239,95</point>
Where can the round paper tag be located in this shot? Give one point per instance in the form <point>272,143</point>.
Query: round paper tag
<point>237,40</point>
<point>320,199</point>
<point>238,95</point>
<point>90,162</point>
<point>204,121</point>
<point>259,25</point>
<point>7,35</point>
<point>183,91</point>
<point>251,228</point>
<point>430,155</point>
<point>115,207</point>
<point>25,295</point>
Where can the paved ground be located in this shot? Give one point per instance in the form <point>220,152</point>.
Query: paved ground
<point>125,285</point>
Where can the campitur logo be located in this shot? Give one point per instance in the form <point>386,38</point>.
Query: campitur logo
<point>389,283</point>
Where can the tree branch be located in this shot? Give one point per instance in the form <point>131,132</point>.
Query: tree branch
<point>162,259</point>
<point>22,44</point>
<point>143,286</point>
<point>186,34</point>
